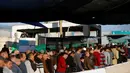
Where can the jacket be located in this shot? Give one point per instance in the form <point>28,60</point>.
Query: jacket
<point>107,58</point>
<point>87,63</point>
<point>116,55</point>
<point>16,69</point>
<point>61,65</point>
<point>29,68</point>
<point>97,57</point>
<point>70,62</point>
<point>78,63</point>
<point>23,67</point>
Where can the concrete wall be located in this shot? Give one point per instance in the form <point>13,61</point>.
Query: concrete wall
<point>119,68</point>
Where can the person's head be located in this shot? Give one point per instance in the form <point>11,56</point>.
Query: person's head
<point>102,50</point>
<point>15,59</point>
<point>79,49</point>
<point>82,59</point>
<point>95,47</point>
<point>65,55</point>
<point>31,57</point>
<point>72,54</point>
<point>5,45</point>
<point>4,54</point>
<point>22,57</point>
<point>1,62</point>
<point>90,45</point>
<point>91,51</point>
<point>45,56</point>
<point>66,51</point>
<point>28,51</point>
<point>8,64</point>
<point>107,49</point>
<point>87,54</point>
<point>40,55</point>
<point>16,52</point>
<point>18,62</point>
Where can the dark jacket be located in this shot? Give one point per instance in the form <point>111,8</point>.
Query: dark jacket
<point>72,65</point>
<point>70,62</point>
<point>45,66</point>
<point>1,70</point>
<point>23,67</point>
<point>50,65</point>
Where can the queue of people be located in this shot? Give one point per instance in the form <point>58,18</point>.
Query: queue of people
<point>63,61</point>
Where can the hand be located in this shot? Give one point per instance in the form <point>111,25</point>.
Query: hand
<point>82,69</point>
<point>68,66</point>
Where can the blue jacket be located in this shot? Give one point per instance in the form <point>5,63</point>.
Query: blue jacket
<point>23,67</point>
<point>16,69</point>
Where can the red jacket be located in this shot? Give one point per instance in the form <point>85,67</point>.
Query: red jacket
<point>61,67</point>
<point>98,58</point>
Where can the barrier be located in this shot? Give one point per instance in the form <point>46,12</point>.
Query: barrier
<point>119,68</point>
<point>101,70</point>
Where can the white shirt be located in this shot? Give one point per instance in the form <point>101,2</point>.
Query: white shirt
<point>7,70</point>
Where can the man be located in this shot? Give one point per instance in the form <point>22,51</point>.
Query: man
<point>16,63</point>
<point>62,66</point>
<point>4,54</point>
<point>22,65</point>
<point>70,61</point>
<point>97,57</point>
<point>7,67</point>
<point>1,64</point>
<point>77,59</point>
<point>45,57</point>
<point>50,63</point>
<point>87,64</point>
<point>107,57</point>
<point>5,49</point>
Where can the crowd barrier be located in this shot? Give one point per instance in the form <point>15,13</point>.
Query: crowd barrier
<point>119,68</point>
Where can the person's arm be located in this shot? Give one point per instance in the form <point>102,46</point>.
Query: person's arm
<point>79,63</point>
<point>72,63</point>
<point>117,54</point>
<point>85,63</point>
<point>98,60</point>
<point>109,59</point>
<point>105,58</point>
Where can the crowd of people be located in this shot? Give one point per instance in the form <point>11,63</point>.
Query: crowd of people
<point>62,61</point>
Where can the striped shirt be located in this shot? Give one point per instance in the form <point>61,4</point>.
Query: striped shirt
<point>102,62</point>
